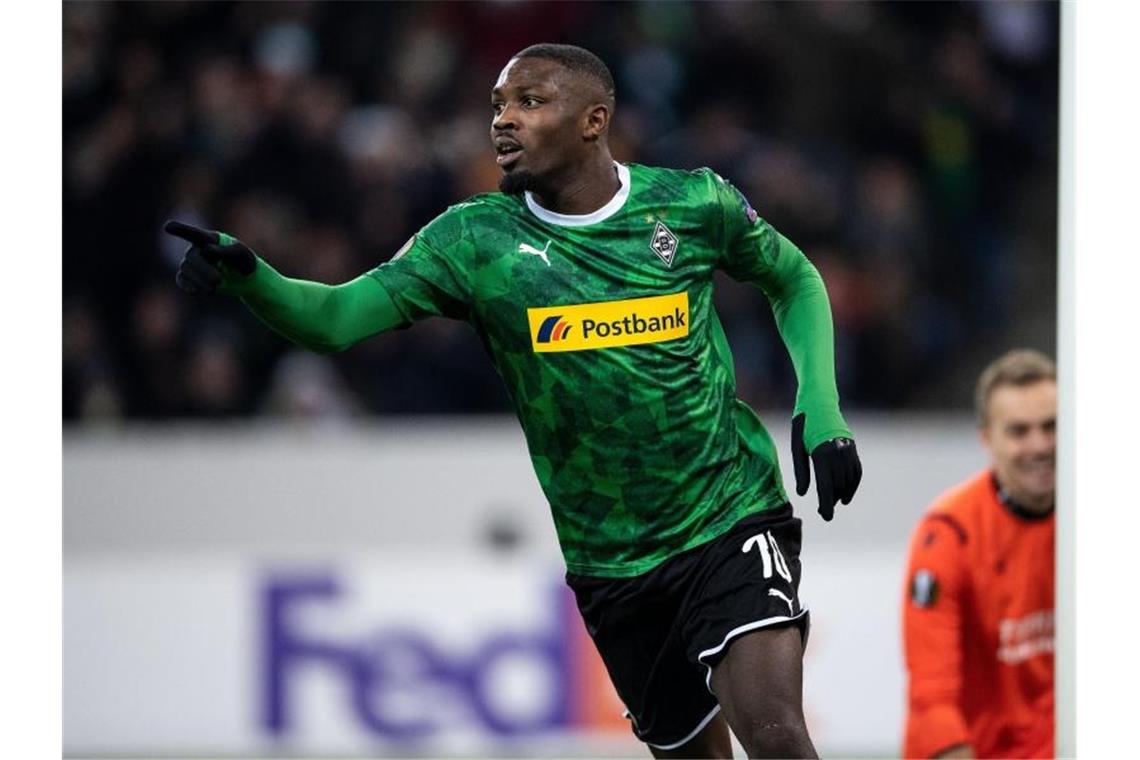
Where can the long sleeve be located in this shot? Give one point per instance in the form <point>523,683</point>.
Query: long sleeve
<point>419,281</point>
<point>803,317</point>
<point>755,252</point>
<point>932,636</point>
<point>319,317</point>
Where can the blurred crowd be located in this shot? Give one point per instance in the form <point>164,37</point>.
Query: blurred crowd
<point>908,148</point>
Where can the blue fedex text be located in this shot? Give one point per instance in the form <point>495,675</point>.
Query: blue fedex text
<point>380,669</point>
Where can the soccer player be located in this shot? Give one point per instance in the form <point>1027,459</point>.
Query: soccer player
<point>978,603</point>
<point>589,283</point>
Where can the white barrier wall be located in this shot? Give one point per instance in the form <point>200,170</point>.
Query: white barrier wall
<point>261,591</point>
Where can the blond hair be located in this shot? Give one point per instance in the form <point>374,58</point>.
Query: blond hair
<point>1019,367</point>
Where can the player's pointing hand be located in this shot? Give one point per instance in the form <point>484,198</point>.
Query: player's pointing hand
<point>837,468</point>
<point>210,258</point>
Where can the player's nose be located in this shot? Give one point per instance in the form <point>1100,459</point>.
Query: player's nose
<point>1041,442</point>
<point>503,120</point>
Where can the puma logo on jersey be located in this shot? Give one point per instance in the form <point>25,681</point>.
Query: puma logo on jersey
<point>541,253</point>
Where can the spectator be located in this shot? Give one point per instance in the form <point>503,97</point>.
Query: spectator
<point>914,156</point>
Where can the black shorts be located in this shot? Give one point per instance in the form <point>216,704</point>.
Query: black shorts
<point>661,633</point>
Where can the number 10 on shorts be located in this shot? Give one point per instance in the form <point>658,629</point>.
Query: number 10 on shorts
<point>769,554</point>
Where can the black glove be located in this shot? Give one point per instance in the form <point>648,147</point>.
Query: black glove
<point>837,469</point>
<point>209,250</point>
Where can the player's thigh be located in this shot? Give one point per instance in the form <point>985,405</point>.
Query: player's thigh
<point>759,684</point>
<point>762,668</point>
<point>748,627</point>
<point>713,741</point>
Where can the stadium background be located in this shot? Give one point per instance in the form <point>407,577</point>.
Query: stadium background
<point>909,149</point>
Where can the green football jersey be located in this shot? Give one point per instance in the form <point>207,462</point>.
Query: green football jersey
<point>602,327</point>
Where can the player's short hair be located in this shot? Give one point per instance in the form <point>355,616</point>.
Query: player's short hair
<point>573,58</point>
<point>1019,367</point>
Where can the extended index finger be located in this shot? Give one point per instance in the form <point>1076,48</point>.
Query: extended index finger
<point>190,233</point>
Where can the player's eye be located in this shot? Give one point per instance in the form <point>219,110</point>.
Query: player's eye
<point>529,102</point>
<point>496,107</point>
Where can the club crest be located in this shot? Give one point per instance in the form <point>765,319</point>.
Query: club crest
<point>664,243</point>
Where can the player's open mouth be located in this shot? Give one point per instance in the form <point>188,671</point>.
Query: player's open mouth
<point>507,152</point>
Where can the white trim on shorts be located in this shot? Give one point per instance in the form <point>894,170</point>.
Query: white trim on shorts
<point>738,631</point>
<point>691,734</point>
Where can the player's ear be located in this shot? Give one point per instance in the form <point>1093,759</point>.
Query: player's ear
<point>984,437</point>
<point>596,121</point>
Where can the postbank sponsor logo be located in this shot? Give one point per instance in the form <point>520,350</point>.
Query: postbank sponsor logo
<point>583,327</point>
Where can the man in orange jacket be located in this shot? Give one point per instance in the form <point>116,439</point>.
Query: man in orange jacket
<point>978,602</point>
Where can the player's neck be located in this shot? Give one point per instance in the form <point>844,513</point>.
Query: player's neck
<point>585,189</point>
<point>1026,505</point>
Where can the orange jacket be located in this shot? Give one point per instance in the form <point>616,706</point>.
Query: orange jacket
<point>978,627</point>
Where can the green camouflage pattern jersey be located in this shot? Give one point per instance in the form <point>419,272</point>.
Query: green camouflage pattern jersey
<point>602,327</point>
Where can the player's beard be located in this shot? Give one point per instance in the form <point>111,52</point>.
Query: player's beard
<point>516,182</point>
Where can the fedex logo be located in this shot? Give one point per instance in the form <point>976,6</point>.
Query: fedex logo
<point>403,683</point>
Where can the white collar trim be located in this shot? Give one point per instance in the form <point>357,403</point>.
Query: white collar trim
<point>581,220</point>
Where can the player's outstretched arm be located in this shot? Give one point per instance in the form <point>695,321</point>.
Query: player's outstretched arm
<point>319,317</point>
